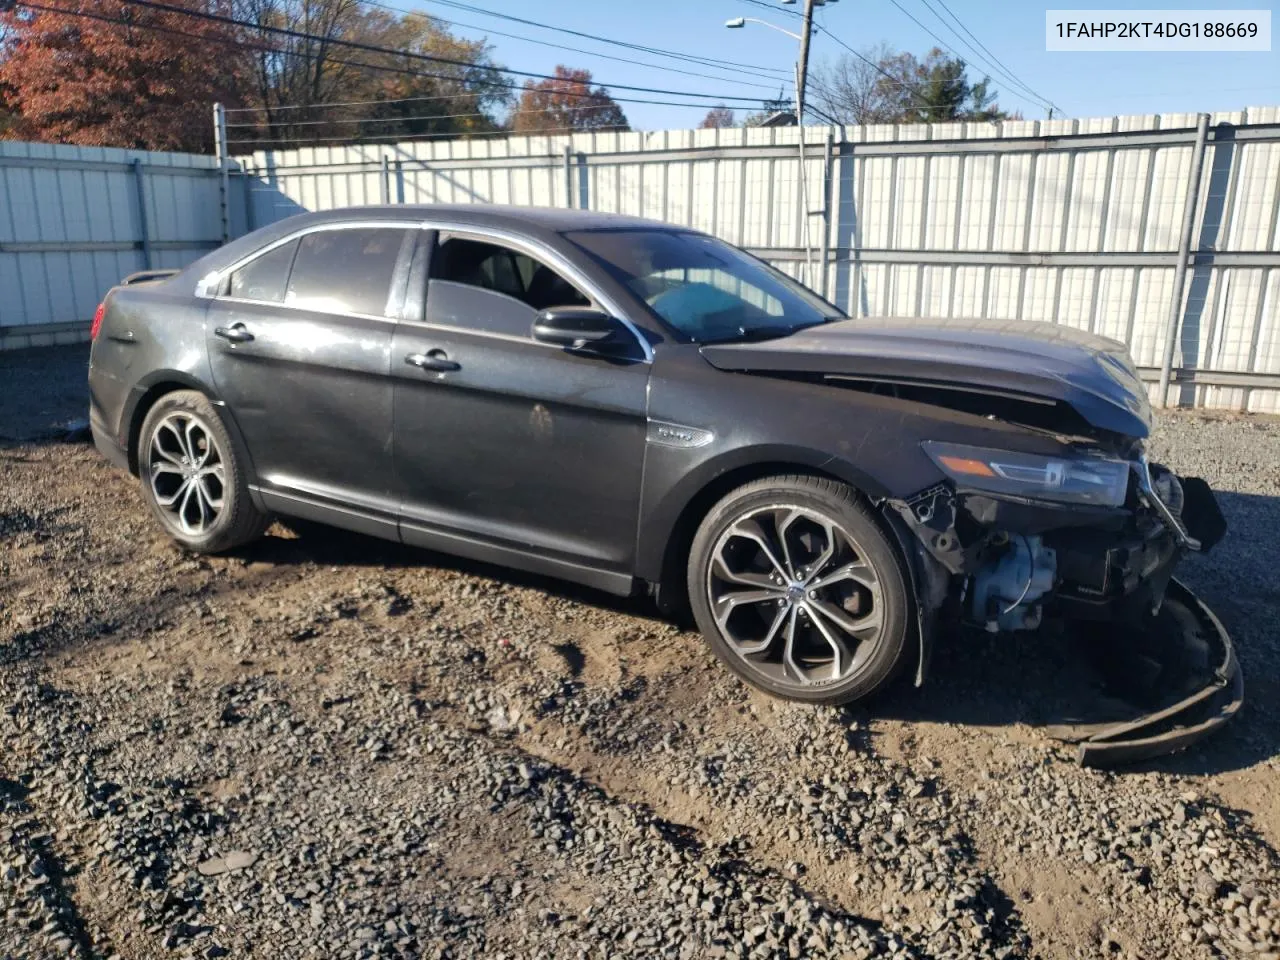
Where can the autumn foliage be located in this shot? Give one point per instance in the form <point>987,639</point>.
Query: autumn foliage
<point>79,80</point>
<point>566,103</point>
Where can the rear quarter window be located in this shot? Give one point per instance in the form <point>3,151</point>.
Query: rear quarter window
<point>264,278</point>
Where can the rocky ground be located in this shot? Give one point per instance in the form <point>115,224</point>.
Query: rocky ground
<point>332,746</point>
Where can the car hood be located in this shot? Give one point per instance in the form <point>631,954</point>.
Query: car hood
<point>1038,361</point>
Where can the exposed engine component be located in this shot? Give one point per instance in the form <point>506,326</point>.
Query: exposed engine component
<point>1168,488</point>
<point>1007,589</point>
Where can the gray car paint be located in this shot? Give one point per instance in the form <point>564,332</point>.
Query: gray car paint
<point>1092,374</point>
<point>642,487</point>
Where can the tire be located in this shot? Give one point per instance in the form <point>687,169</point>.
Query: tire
<point>776,604</point>
<point>192,479</point>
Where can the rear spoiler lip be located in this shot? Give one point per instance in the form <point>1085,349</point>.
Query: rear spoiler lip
<point>147,276</point>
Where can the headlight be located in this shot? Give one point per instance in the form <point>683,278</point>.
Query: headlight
<point>1095,481</point>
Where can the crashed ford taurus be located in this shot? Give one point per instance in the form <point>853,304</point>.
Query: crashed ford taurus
<point>632,405</point>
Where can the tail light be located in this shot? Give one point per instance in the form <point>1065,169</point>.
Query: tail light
<point>97,321</point>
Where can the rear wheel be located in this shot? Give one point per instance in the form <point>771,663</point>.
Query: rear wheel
<point>798,591</point>
<point>191,478</point>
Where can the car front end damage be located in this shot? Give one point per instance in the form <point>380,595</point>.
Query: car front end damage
<point>1009,541</point>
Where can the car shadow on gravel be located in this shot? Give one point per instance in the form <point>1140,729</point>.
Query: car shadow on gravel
<point>1038,680</point>
<point>322,545</point>
<point>1045,679</point>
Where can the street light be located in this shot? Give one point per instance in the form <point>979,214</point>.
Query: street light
<point>802,63</point>
<point>738,23</point>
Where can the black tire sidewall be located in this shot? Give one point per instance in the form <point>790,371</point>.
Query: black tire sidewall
<point>839,503</point>
<point>222,534</point>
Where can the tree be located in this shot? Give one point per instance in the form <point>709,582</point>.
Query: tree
<point>566,103</point>
<point>77,80</point>
<point>886,86</point>
<point>717,118</point>
<point>294,79</point>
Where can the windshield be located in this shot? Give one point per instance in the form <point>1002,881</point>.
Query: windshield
<point>704,288</point>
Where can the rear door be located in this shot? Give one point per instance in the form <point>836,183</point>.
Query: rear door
<point>508,448</point>
<point>300,343</point>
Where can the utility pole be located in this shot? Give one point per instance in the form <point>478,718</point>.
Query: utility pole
<point>802,65</point>
<point>802,74</point>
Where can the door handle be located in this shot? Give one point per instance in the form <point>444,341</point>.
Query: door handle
<point>432,360</point>
<point>236,333</point>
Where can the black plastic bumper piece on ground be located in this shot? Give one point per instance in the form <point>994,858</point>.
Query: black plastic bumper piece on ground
<point>1179,725</point>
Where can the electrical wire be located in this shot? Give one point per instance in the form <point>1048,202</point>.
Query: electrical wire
<point>1034,98</point>
<point>910,88</point>
<point>588,53</point>
<point>405,54</point>
<point>1000,63</point>
<point>425,116</point>
<point>265,48</point>
<point>705,61</point>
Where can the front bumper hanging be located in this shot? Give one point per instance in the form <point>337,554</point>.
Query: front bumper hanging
<point>1178,725</point>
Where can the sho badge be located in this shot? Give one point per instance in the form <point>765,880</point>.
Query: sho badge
<point>678,435</point>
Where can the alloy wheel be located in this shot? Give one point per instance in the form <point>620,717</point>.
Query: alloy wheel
<point>187,472</point>
<point>794,596</point>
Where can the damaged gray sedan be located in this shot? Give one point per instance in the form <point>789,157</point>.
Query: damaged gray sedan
<point>632,405</point>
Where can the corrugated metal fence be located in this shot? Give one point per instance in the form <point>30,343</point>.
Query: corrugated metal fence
<point>1065,221</point>
<point>1068,221</point>
<point>74,220</point>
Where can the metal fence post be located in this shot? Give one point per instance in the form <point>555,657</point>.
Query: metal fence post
<point>1184,253</point>
<point>568,177</point>
<point>140,185</point>
<point>386,179</point>
<point>828,160</point>
<point>224,176</point>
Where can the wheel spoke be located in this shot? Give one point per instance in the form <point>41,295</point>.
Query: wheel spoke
<point>861,628</point>
<point>763,646</point>
<point>826,556</point>
<point>184,508</point>
<point>788,650</point>
<point>857,571</point>
<point>215,503</point>
<point>789,516</point>
<point>171,499</point>
<point>761,581</point>
<point>194,430</point>
<point>174,458</point>
<point>750,529</point>
<point>841,656</point>
<point>727,603</point>
<point>165,466</point>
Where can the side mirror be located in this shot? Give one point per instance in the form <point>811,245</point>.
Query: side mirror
<point>575,327</point>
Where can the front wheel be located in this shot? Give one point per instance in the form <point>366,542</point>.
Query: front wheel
<point>191,478</point>
<point>799,592</point>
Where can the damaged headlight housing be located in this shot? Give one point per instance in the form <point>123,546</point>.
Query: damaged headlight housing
<point>1092,481</point>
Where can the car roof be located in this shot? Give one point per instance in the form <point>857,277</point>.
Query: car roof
<point>554,219</point>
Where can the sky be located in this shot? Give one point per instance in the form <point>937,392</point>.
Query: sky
<point>1081,84</point>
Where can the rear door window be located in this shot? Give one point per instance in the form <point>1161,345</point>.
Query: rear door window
<point>347,271</point>
<point>264,278</point>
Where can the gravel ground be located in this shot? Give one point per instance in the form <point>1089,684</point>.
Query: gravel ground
<point>332,746</point>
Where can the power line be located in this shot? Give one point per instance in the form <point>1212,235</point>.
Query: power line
<point>588,53</point>
<point>406,54</point>
<point>383,68</point>
<point>1034,97</point>
<point>1009,73</point>
<point>910,88</point>
<point>432,116</point>
<point>705,61</point>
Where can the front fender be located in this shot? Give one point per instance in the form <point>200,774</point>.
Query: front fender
<point>673,487</point>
